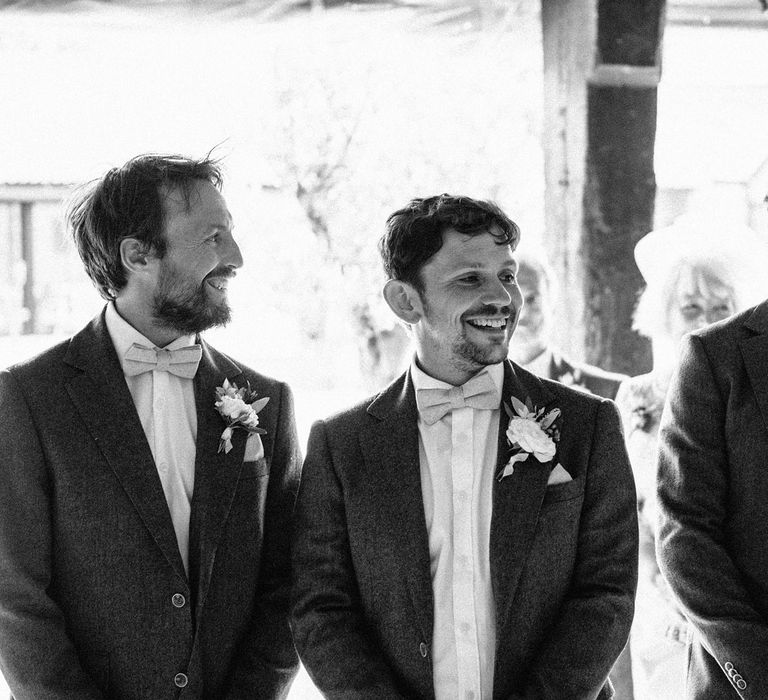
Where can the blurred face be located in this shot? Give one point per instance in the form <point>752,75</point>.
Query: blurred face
<point>201,257</point>
<point>531,335</point>
<point>699,298</point>
<point>469,306</point>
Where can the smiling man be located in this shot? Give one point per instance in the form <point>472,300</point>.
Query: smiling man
<point>143,552</point>
<point>471,531</point>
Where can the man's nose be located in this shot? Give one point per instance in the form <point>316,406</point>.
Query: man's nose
<point>495,292</point>
<point>232,257</point>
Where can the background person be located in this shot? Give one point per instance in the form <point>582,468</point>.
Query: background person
<point>533,348</point>
<point>697,272</point>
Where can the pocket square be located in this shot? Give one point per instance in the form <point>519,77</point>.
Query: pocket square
<point>558,476</point>
<point>253,448</point>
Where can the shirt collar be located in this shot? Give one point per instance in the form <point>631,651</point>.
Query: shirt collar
<point>421,380</point>
<point>123,334</point>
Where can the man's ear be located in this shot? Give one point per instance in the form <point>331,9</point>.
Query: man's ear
<point>134,255</point>
<point>404,300</point>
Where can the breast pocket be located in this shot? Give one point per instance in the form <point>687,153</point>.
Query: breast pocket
<point>567,491</point>
<point>255,469</point>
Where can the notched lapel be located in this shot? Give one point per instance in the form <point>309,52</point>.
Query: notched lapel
<point>517,498</point>
<point>216,473</point>
<point>106,407</point>
<point>391,454</point>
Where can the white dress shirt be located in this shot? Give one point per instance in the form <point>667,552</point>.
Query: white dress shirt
<point>166,407</point>
<point>457,457</point>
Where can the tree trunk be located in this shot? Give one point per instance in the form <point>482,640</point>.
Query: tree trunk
<point>601,63</point>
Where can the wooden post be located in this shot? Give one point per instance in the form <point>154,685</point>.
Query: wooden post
<point>600,127</point>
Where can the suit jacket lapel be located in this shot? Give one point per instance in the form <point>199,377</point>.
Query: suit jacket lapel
<point>391,455</point>
<point>516,499</point>
<point>105,405</point>
<point>754,350</point>
<point>216,473</point>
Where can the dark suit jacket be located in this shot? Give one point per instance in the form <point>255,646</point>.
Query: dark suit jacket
<point>593,379</point>
<point>89,563</point>
<point>713,491</point>
<point>563,558</point>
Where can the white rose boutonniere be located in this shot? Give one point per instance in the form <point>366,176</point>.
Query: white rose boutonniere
<point>239,408</point>
<point>531,431</point>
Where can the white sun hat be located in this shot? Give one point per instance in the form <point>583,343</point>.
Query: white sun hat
<point>737,252</point>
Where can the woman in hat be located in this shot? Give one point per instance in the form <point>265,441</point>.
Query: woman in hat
<point>697,272</point>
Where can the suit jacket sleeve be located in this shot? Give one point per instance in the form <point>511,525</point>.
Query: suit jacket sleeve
<point>693,541</point>
<point>327,619</point>
<point>36,655</point>
<point>595,618</point>
<point>267,660</point>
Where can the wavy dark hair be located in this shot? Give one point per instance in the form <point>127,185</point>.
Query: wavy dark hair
<point>415,233</point>
<point>127,202</point>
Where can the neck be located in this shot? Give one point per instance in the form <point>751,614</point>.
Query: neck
<point>141,319</point>
<point>454,375</point>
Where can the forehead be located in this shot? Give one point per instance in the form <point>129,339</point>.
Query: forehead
<point>204,205</point>
<point>479,250</point>
<point>528,275</point>
<point>701,281</point>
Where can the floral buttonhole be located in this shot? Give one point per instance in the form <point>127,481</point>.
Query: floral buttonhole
<point>531,431</point>
<point>239,407</point>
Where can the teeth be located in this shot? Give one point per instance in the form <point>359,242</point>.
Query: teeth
<point>489,322</point>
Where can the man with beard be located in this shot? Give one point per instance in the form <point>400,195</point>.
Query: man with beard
<point>147,479</point>
<point>471,531</point>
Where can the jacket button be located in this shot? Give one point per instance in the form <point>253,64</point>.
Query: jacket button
<point>178,600</point>
<point>741,684</point>
<point>181,680</point>
<point>423,650</point>
<point>728,666</point>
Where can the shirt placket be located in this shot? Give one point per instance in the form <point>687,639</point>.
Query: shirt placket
<point>465,621</point>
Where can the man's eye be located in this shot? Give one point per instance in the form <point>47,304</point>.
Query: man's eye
<point>469,279</point>
<point>508,278</point>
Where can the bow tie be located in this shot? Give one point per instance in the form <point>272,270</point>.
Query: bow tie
<point>182,362</point>
<point>478,392</point>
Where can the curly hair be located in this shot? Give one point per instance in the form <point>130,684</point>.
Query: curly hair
<point>127,202</point>
<point>415,233</point>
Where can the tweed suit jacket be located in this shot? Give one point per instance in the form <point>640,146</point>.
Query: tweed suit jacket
<point>713,489</point>
<point>563,558</point>
<point>94,598</point>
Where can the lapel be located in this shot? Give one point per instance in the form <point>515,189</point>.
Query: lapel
<point>754,350</point>
<point>216,473</point>
<point>516,499</point>
<point>106,407</point>
<point>390,448</point>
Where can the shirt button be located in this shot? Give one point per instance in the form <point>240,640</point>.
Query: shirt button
<point>163,466</point>
<point>181,680</point>
<point>178,600</point>
<point>423,650</point>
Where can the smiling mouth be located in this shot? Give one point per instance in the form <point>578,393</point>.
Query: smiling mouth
<point>493,324</point>
<point>219,283</point>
